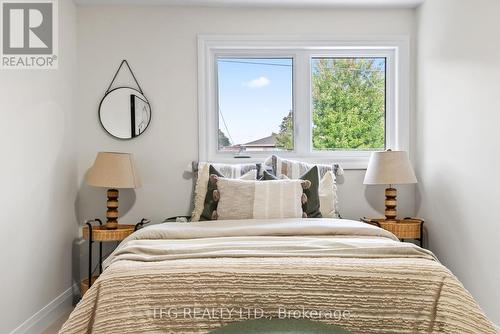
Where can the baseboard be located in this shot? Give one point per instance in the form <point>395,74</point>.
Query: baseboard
<point>42,319</point>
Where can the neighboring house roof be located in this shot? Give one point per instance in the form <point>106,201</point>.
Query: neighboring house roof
<point>269,141</point>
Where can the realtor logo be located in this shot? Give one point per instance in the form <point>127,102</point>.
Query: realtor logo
<point>29,34</point>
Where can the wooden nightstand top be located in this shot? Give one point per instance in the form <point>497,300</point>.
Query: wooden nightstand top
<point>408,228</point>
<point>101,233</point>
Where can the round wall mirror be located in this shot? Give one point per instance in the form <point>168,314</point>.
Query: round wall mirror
<point>124,112</point>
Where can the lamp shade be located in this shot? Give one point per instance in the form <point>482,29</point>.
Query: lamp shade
<point>389,167</point>
<point>114,170</point>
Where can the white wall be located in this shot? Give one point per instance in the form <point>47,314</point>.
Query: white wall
<point>39,174</point>
<point>46,124</point>
<point>161,46</point>
<point>458,140</point>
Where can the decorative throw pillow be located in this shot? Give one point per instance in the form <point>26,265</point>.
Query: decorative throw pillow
<point>328,196</point>
<point>268,176</point>
<point>327,173</point>
<point>203,171</point>
<point>312,207</point>
<point>237,170</point>
<point>243,199</point>
<point>294,168</point>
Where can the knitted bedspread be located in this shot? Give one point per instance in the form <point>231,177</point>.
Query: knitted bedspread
<point>195,277</point>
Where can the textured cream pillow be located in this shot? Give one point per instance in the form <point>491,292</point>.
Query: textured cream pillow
<point>327,191</point>
<point>242,199</point>
<point>328,184</point>
<point>200,192</point>
<point>328,196</point>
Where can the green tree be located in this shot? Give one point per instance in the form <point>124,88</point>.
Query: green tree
<point>348,98</point>
<point>284,139</point>
<point>223,140</point>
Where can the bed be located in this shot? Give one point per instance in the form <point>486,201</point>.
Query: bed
<point>196,277</point>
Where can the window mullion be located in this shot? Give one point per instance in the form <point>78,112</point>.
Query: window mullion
<point>302,104</point>
<point>390,122</point>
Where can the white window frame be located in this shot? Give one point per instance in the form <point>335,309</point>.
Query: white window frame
<point>302,49</point>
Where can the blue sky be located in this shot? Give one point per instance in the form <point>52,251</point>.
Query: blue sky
<point>254,96</point>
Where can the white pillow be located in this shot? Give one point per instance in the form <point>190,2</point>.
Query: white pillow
<point>328,183</point>
<point>243,199</point>
<point>294,168</point>
<point>327,190</point>
<point>201,187</point>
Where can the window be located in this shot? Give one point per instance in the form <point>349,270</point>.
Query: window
<point>348,103</point>
<point>255,107</point>
<point>310,99</point>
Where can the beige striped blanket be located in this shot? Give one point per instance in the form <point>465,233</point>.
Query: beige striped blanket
<point>195,277</point>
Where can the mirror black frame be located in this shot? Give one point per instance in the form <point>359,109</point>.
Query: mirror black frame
<point>138,89</point>
<point>111,91</point>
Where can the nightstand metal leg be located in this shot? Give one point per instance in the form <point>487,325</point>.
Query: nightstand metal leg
<point>100,249</point>
<point>421,236</point>
<point>90,253</point>
<point>100,258</point>
<point>91,242</point>
<point>101,235</point>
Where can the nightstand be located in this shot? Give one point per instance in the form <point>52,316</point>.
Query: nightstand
<point>99,233</point>
<point>404,229</point>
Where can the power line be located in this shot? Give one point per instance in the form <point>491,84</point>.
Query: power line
<point>253,63</point>
<point>225,126</point>
<point>287,65</point>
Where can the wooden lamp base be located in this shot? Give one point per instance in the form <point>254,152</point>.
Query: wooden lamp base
<point>112,212</point>
<point>390,204</point>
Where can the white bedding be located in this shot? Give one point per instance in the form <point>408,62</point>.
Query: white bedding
<point>294,237</point>
<point>317,264</point>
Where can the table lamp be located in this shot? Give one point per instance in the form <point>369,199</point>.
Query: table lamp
<point>390,167</point>
<point>113,170</point>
